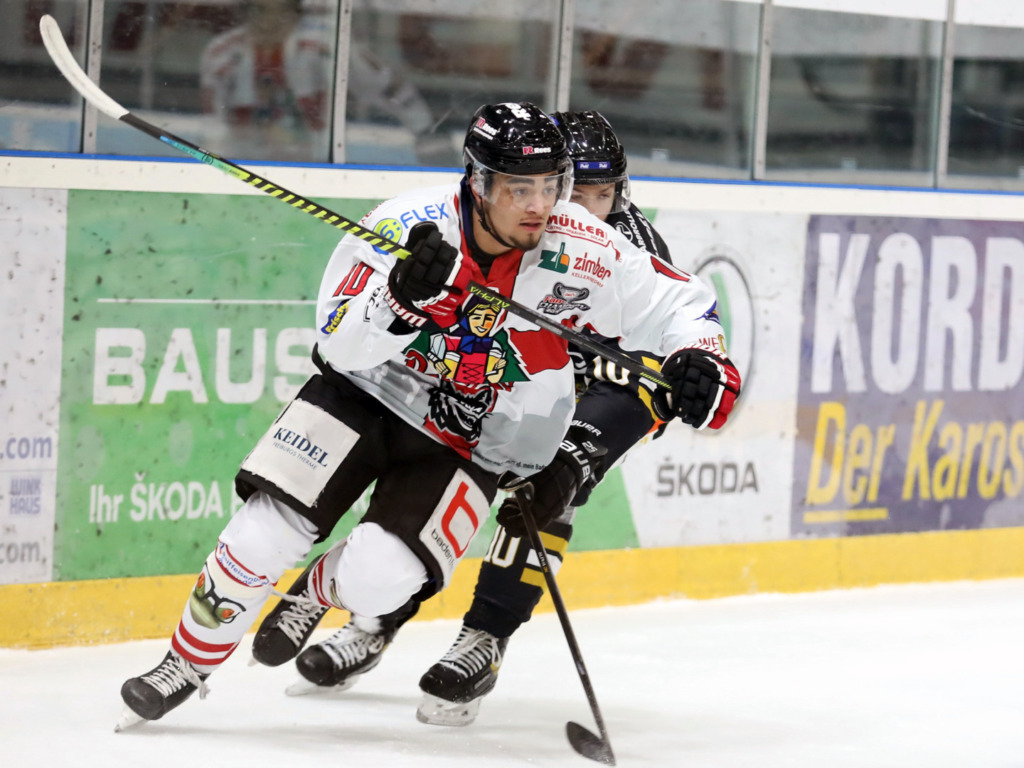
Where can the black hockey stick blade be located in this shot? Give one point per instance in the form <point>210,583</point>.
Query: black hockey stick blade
<point>589,744</point>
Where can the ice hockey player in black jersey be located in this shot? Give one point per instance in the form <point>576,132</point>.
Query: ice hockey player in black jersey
<point>614,411</point>
<point>433,395</point>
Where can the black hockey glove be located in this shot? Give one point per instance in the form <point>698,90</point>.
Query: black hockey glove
<point>555,486</point>
<point>704,388</point>
<point>428,284</point>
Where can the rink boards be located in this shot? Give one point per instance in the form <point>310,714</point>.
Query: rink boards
<point>158,315</point>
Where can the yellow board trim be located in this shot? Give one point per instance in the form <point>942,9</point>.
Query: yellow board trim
<point>117,610</point>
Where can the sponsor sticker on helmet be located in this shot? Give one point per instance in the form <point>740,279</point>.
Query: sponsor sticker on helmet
<point>482,126</point>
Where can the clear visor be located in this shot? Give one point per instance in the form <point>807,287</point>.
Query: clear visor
<point>604,197</point>
<point>522,192</point>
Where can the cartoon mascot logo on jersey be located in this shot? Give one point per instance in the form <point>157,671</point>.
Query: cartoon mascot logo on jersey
<point>471,359</point>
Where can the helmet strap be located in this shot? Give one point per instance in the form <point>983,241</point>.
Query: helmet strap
<point>481,213</point>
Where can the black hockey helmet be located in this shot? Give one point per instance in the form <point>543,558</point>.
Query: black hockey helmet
<point>598,156</point>
<point>516,139</point>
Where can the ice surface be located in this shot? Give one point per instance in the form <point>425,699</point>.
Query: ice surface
<point>920,676</point>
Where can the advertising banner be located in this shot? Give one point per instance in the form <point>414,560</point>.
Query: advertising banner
<point>159,334</point>
<point>732,485</point>
<point>189,324</point>
<point>32,230</point>
<point>911,409</point>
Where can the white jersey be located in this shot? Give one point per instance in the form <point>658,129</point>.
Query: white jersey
<point>494,387</point>
<point>265,80</point>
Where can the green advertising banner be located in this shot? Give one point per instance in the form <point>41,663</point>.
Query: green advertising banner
<point>188,324</point>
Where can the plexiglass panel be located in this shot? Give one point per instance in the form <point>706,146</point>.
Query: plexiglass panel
<point>247,79</point>
<point>675,78</point>
<point>986,129</point>
<point>853,96</point>
<point>40,110</point>
<point>419,69</point>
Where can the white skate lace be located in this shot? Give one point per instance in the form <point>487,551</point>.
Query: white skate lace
<point>350,645</point>
<point>473,650</point>
<point>173,674</point>
<point>296,620</point>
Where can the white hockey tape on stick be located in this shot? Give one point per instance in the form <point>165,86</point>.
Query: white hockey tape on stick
<point>74,74</point>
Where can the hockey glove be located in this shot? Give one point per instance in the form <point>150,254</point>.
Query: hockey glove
<point>428,284</point>
<point>555,486</point>
<point>704,388</point>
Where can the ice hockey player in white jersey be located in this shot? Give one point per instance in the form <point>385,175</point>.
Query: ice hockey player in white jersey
<point>614,410</point>
<point>434,395</point>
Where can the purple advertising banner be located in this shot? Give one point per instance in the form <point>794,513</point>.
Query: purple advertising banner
<point>910,410</point>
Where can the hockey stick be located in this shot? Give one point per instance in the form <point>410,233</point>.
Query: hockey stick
<point>586,742</point>
<point>75,75</point>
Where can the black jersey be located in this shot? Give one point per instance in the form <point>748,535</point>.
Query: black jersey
<point>613,404</point>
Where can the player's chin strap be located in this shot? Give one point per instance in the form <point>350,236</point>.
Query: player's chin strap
<point>481,213</point>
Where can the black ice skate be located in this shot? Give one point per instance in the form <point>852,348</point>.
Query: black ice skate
<point>454,686</point>
<point>154,694</point>
<point>352,651</point>
<point>339,660</point>
<point>287,628</point>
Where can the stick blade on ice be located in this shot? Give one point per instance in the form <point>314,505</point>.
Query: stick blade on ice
<point>589,744</point>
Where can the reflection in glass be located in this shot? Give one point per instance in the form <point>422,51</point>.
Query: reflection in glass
<point>677,81</point>
<point>41,111</point>
<point>851,93</point>
<point>425,66</point>
<point>248,79</point>
<point>986,128</point>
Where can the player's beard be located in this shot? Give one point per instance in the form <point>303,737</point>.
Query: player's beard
<point>527,242</point>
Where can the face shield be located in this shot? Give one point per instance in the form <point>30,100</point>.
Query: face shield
<point>600,194</point>
<point>522,192</point>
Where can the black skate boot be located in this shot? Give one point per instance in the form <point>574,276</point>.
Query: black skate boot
<point>352,651</point>
<point>454,686</point>
<point>287,628</point>
<point>154,694</point>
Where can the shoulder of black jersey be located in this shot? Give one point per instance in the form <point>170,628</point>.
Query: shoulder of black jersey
<point>632,223</point>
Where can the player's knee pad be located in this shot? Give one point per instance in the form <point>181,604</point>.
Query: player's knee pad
<point>258,544</point>
<point>266,537</point>
<point>372,573</point>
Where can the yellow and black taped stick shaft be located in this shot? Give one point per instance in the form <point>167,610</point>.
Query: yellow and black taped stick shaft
<point>276,191</point>
<point>338,221</point>
<point>91,92</point>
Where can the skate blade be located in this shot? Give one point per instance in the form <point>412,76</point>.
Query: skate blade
<point>305,688</point>
<point>128,719</point>
<point>435,711</point>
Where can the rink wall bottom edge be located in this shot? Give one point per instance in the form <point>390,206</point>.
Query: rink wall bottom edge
<point>117,610</point>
